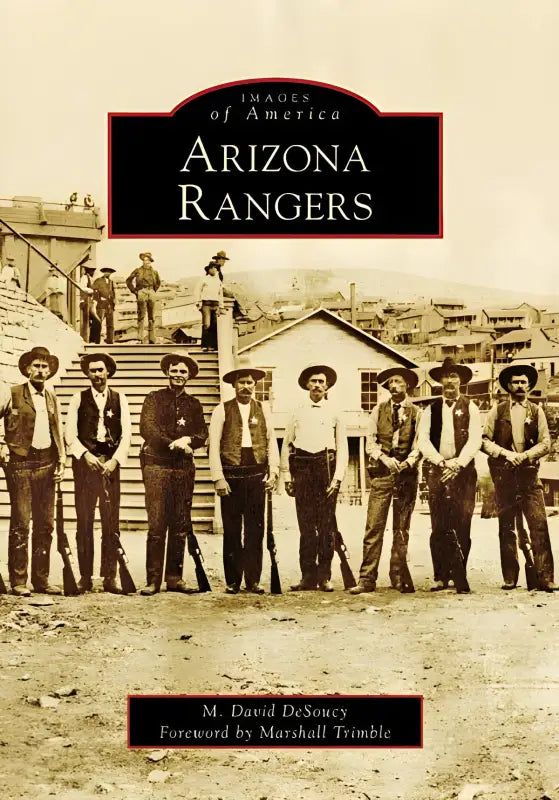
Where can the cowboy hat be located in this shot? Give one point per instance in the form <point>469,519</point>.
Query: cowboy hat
<point>315,369</point>
<point>90,267</point>
<point>243,367</point>
<point>108,361</point>
<point>106,269</point>
<point>518,369</point>
<point>411,378</point>
<point>221,254</point>
<point>183,358</point>
<point>146,255</point>
<point>450,366</point>
<point>38,352</point>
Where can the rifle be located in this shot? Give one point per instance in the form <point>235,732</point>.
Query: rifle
<point>456,557</point>
<point>70,586</point>
<point>339,545</point>
<point>196,553</point>
<point>126,580</point>
<point>275,583</point>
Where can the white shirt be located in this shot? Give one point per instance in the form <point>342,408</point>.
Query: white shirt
<point>216,430</point>
<point>41,432</point>
<point>210,288</point>
<point>76,448</point>
<point>315,427</point>
<point>447,447</point>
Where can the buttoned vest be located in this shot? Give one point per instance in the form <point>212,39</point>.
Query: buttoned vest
<point>385,430</point>
<point>232,435</point>
<point>20,422</point>
<point>88,419</point>
<point>503,426</point>
<point>460,419</point>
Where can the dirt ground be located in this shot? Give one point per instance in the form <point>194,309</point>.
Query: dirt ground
<point>486,665</point>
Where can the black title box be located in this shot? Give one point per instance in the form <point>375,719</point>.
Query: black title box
<point>249,721</point>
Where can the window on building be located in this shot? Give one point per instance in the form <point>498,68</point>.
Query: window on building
<point>368,390</point>
<point>263,391</point>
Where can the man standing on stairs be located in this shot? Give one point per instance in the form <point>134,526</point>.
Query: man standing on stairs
<point>33,456</point>
<point>104,294</point>
<point>89,321</point>
<point>244,462</point>
<point>144,282</point>
<point>98,433</point>
<point>172,425</point>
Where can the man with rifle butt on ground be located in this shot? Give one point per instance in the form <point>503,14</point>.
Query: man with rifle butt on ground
<point>515,438</point>
<point>244,463</point>
<point>32,453</point>
<point>449,436</point>
<point>172,425</point>
<point>98,432</point>
<point>393,461</point>
<point>314,459</point>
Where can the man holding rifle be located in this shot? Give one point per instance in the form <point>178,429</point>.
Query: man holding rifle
<point>449,436</point>
<point>393,460</point>
<point>314,459</point>
<point>172,425</point>
<point>33,456</point>
<point>244,463</point>
<point>98,432</point>
<point>515,438</point>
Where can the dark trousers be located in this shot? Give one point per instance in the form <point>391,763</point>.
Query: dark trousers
<point>242,513</point>
<point>88,488</point>
<point>209,324</point>
<point>401,491</point>
<point>520,489</point>
<point>450,513</point>
<point>169,491</point>
<point>105,311</point>
<point>316,514</point>
<point>31,486</point>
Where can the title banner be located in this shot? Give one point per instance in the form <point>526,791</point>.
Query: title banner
<point>275,158</point>
<point>274,721</point>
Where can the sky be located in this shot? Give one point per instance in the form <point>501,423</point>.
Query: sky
<point>490,67</point>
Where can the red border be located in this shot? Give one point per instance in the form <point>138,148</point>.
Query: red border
<point>112,114</point>
<point>277,747</point>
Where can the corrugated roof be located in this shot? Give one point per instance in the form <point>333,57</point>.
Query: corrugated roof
<point>515,336</point>
<point>463,340</point>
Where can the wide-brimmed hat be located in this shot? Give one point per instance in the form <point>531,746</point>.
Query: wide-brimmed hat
<point>90,267</point>
<point>314,369</point>
<point>411,378</point>
<point>184,358</point>
<point>450,366</point>
<point>38,352</point>
<point>221,254</point>
<point>108,361</point>
<point>243,366</point>
<point>106,269</point>
<point>209,266</point>
<point>518,369</point>
<point>146,255</point>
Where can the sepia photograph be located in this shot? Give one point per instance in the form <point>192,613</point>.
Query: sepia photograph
<point>279,486</point>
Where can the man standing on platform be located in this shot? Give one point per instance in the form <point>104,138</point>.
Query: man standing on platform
<point>172,425</point>
<point>104,294</point>
<point>144,282</point>
<point>98,433</point>
<point>89,321</point>
<point>449,436</point>
<point>393,460</point>
<point>33,456</point>
<point>515,438</point>
<point>244,462</point>
<point>314,459</point>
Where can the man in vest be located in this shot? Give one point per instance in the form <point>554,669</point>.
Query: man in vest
<point>144,282</point>
<point>314,459</point>
<point>172,425</point>
<point>89,321</point>
<point>516,436</point>
<point>33,456</point>
<point>104,294</point>
<point>244,462</point>
<point>393,460</point>
<point>98,435</point>
<point>449,436</point>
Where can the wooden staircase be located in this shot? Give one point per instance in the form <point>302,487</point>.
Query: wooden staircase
<point>138,374</point>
